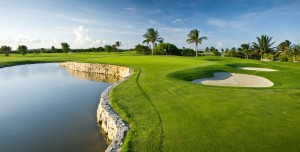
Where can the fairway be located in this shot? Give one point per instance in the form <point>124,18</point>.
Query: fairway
<point>166,112</point>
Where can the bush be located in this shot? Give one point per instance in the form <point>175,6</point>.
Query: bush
<point>216,53</point>
<point>22,49</point>
<point>166,48</point>
<point>230,53</point>
<point>269,56</point>
<point>100,49</point>
<point>187,52</point>
<point>283,58</point>
<point>108,48</point>
<point>6,50</point>
<point>65,48</point>
<point>141,49</point>
<point>208,54</point>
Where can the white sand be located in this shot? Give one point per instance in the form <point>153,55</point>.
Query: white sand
<point>257,69</point>
<point>235,80</point>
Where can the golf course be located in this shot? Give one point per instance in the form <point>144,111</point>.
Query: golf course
<point>167,112</point>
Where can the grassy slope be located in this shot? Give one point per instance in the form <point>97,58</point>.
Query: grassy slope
<point>194,117</point>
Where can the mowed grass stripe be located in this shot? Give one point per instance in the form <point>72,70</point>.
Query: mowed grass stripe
<point>159,117</point>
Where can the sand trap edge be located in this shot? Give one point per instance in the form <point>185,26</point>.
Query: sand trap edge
<point>235,80</point>
<point>257,69</point>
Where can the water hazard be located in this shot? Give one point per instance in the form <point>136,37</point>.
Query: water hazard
<point>44,107</point>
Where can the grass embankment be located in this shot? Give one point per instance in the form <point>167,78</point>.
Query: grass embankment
<point>167,112</point>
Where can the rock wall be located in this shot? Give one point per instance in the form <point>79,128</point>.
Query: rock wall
<point>106,69</point>
<point>108,119</point>
<point>94,76</point>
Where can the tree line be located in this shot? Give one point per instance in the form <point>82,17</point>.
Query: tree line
<point>263,49</point>
<point>65,48</point>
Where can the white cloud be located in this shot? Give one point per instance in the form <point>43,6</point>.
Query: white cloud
<point>155,12</point>
<point>74,19</point>
<point>153,22</point>
<point>263,14</point>
<point>128,32</point>
<point>131,12</point>
<point>219,45</point>
<point>129,9</point>
<point>81,35</point>
<point>235,23</point>
<point>98,41</point>
<point>217,22</point>
<point>175,30</point>
<point>178,20</point>
<point>56,41</point>
<point>31,42</point>
<point>83,39</point>
<point>20,39</point>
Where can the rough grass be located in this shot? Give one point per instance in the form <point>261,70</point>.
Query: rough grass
<point>166,112</point>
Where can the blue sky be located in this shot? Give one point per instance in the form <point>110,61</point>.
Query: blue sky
<point>94,23</point>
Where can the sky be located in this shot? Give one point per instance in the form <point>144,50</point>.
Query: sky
<point>95,23</point>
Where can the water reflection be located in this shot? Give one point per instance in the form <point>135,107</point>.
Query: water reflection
<point>44,108</point>
<point>93,76</point>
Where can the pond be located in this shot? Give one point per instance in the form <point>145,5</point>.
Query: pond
<point>44,107</point>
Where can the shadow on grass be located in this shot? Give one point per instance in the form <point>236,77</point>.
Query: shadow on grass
<point>14,63</point>
<point>198,73</point>
<point>214,59</point>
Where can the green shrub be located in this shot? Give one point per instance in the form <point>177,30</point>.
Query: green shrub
<point>187,52</point>
<point>108,48</point>
<point>22,49</point>
<point>269,56</point>
<point>65,48</point>
<point>230,53</point>
<point>216,53</point>
<point>6,50</point>
<point>166,48</point>
<point>141,49</point>
<point>283,58</point>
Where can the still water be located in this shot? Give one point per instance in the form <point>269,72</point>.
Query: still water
<point>45,108</point>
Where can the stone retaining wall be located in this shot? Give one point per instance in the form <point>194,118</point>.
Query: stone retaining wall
<point>108,119</point>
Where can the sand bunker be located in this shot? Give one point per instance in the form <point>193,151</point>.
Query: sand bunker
<point>235,80</point>
<point>257,69</point>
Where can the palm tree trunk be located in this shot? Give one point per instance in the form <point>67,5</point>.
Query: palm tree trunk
<point>246,56</point>
<point>152,47</point>
<point>196,50</point>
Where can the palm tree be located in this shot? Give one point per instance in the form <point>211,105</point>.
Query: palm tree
<point>263,46</point>
<point>152,36</point>
<point>295,51</point>
<point>246,49</point>
<point>117,45</point>
<point>147,42</point>
<point>193,37</point>
<point>284,47</point>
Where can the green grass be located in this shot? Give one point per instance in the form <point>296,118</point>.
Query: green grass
<point>166,112</point>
